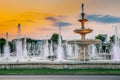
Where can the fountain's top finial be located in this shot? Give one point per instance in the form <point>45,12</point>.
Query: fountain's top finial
<point>6,35</point>
<point>19,30</point>
<point>82,7</point>
<point>18,24</point>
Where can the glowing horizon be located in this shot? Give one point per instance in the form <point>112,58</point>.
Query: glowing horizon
<point>38,18</point>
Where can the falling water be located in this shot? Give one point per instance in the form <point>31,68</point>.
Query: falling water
<point>6,48</point>
<point>51,49</point>
<point>69,50</point>
<point>19,49</point>
<point>94,51</point>
<point>19,45</point>
<point>116,47</point>
<point>46,49</point>
<point>60,53</point>
<point>60,50</point>
<point>25,53</point>
<point>76,51</point>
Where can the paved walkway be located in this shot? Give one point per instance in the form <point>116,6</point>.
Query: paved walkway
<point>59,77</point>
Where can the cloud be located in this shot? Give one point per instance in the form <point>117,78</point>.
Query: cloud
<point>56,22</point>
<point>34,15</point>
<point>51,29</point>
<point>51,18</point>
<point>63,24</point>
<point>103,18</point>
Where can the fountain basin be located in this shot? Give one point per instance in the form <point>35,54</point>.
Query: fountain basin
<point>83,31</point>
<point>83,20</point>
<point>84,42</point>
<point>62,65</point>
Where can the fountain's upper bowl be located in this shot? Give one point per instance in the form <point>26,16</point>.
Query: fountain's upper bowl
<point>85,42</point>
<point>83,31</point>
<point>83,20</point>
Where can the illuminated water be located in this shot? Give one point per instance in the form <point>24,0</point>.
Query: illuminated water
<point>26,52</point>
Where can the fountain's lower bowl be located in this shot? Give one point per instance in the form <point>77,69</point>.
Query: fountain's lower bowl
<point>84,42</point>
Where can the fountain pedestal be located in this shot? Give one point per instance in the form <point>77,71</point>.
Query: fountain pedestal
<point>83,43</point>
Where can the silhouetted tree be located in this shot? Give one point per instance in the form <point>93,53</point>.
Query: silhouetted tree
<point>112,39</point>
<point>29,40</point>
<point>2,43</point>
<point>11,46</point>
<point>55,38</point>
<point>100,37</point>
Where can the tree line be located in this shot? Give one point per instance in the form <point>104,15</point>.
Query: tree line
<point>54,38</point>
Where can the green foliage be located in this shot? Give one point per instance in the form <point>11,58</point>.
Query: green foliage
<point>2,43</point>
<point>55,38</point>
<point>100,37</point>
<point>29,40</point>
<point>112,39</point>
<point>11,46</point>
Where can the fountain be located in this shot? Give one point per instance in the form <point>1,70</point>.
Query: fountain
<point>46,49</point>
<point>80,50</point>
<point>25,52</point>
<point>76,51</point>
<point>69,50</point>
<point>93,52</point>
<point>19,49</point>
<point>60,51</point>
<point>51,51</point>
<point>72,54</point>
<point>116,47</point>
<point>6,48</point>
<point>83,43</point>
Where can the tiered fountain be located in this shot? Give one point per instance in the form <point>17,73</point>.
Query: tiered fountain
<point>83,43</point>
<point>61,55</point>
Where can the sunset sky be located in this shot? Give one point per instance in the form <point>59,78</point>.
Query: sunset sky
<point>39,18</point>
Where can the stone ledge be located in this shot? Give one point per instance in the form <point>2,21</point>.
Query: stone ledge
<point>62,66</point>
